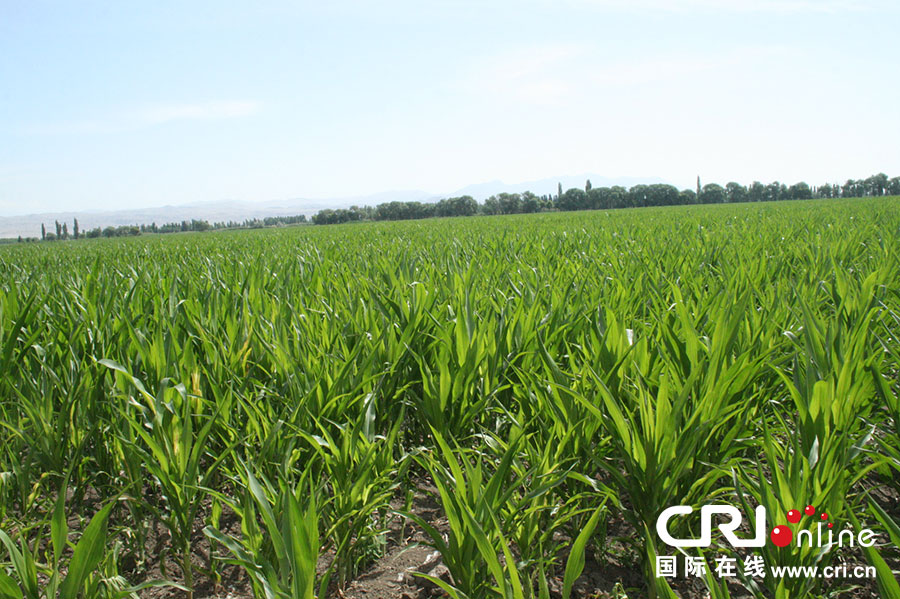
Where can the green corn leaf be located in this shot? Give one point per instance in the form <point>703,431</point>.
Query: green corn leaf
<point>23,565</point>
<point>887,582</point>
<point>59,529</point>
<point>89,550</point>
<point>890,525</point>
<point>8,587</point>
<point>575,563</point>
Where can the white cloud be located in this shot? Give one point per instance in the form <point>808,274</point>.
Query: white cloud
<point>670,68</point>
<point>150,116</point>
<point>156,115</point>
<point>532,74</point>
<point>558,74</point>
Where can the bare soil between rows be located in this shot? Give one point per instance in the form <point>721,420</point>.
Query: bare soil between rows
<point>605,575</point>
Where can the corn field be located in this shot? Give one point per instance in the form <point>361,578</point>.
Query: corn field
<point>180,413</point>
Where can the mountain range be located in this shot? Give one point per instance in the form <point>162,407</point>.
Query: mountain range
<point>29,225</point>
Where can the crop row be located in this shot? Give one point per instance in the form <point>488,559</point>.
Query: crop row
<point>548,376</point>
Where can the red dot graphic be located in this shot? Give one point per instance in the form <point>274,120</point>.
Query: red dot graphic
<point>810,510</point>
<point>781,536</point>
<point>824,516</point>
<point>793,516</point>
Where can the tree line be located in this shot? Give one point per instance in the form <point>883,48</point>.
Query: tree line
<point>62,229</point>
<point>588,198</point>
<point>607,198</point>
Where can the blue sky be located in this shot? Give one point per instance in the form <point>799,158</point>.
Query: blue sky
<point>106,105</point>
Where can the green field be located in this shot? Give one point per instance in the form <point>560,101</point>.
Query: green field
<point>268,411</point>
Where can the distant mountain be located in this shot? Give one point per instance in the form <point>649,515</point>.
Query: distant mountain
<point>30,225</point>
<point>230,210</point>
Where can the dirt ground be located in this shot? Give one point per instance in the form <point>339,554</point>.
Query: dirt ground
<point>607,576</point>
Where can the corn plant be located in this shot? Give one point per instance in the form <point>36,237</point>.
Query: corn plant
<point>164,440</point>
<point>480,505</point>
<point>831,390</point>
<point>362,470</point>
<point>281,557</point>
<point>579,368</point>
<point>85,573</point>
<point>674,424</point>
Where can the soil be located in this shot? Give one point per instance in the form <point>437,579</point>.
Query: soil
<point>607,574</point>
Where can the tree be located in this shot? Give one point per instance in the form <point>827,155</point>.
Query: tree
<point>589,198</point>
<point>509,203</point>
<point>637,196</point>
<point>530,202</point>
<point>618,196</point>
<point>775,191</point>
<point>58,230</point>
<point>660,194</point>
<point>461,206</point>
<point>573,199</point>
<point>894,186</point>
<point>688,196</point>
<point>735,192</point>
<point>598,198</point>
<point>75,230</point>
<point>65,234</point>
<point>43,232</point>
<point>757,192</point>
<point>491,206</point>
<point>877,184</point>
<point>853,189</point>
<point>800,191</point>
<point>712,194</point>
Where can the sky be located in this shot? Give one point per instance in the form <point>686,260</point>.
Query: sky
<point>105,105</point>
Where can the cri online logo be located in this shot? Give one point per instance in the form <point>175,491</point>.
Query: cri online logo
<point>781,535</point>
